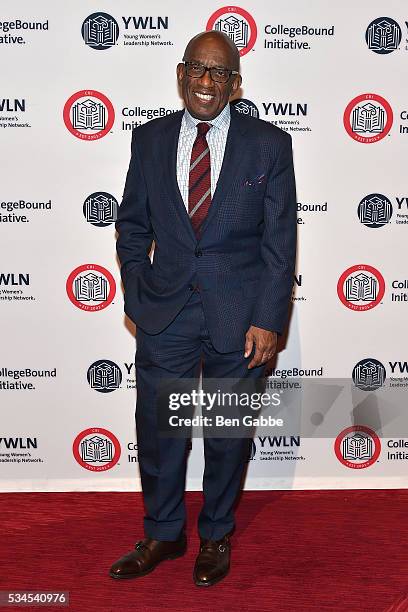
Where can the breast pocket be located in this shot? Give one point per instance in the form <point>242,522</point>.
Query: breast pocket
<point>253,189</point>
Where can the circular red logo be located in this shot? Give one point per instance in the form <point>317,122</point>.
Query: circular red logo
<point>96,449</point>
<point>368,118</point>
<point>91,287</point>
<point>359,450</point>
<point>361,287</point>
<point>89,114</point>
<point>238,24</point>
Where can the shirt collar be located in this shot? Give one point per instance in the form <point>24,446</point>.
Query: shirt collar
<point>221,121</point>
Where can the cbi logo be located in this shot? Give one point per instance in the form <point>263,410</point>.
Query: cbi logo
<point>368,118</point>
<point>100,209</point>
<point>375,210</point>
<point>104,376</point>
<point>357,447</point>
<point>238,24</point>
<point>361,287</point>
<point>383,35</point>
<point>369,374</point>
<point>88,114</point>
<point>246,107</point>
<point>96,449</point>
<point>91,287</point>
<point>100,31</point>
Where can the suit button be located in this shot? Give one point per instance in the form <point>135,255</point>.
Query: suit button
<point>191,287</point>
<point>198,253</point>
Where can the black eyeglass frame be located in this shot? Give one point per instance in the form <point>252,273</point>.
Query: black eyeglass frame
<point>208,69</point>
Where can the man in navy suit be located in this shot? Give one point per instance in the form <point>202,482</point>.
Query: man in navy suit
<point>215,191</point>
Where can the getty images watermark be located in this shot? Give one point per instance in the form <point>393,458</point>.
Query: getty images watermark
<point>222,401</point>
<point>226,407</point>
<point>309,407</point>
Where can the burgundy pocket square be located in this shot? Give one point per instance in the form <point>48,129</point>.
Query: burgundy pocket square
<point>254,181</point>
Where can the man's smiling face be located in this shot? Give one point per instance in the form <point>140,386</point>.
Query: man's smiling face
<point>203,97</point>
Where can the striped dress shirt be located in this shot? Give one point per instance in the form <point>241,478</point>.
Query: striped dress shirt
<point>216,138</point>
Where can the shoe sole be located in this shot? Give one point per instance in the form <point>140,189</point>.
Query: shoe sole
<point>200,583</point>
<point>141,574</point>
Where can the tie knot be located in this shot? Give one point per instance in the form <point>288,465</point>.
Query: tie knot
<point>203,128</point>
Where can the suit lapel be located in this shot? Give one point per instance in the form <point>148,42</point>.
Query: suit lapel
<point>169,158</point>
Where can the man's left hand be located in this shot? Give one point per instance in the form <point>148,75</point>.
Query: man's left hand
<point>265,345</point>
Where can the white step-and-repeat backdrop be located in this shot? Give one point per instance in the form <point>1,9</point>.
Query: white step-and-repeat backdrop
<point>76,78</point>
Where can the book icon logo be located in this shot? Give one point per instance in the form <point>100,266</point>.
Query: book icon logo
<point>369,374</point>
<point>100,209</point>
<point>236,23</point>
<point>375,210</point>
<point>88,114</point>
<point>368,118</point>
<point>96,449</point>
<point>91,287</point>
<point>383,35</point>
<point>361,287</point>
<point>104,376</point>
<point>100,31</point>
<point>357,447</point>
<point>246,107</point>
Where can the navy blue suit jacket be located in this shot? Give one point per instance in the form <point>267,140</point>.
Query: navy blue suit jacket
<point>244,261</point>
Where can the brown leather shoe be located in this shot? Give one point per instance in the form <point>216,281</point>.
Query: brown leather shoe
<point>213,561</point>
<point>147,555</point>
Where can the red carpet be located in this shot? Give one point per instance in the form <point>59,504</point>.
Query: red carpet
<point>293,551</point>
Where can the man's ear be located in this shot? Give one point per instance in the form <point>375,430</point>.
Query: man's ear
<point>180,72</point>
<point>236,84</point>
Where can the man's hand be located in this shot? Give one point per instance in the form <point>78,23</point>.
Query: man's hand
<point>265,345</point>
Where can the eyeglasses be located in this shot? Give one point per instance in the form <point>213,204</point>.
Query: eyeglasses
<point>219,75</point>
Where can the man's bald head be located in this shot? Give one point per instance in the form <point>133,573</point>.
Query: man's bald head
<point>218,38</point>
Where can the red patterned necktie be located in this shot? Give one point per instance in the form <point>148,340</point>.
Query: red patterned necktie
<point>199,186</point>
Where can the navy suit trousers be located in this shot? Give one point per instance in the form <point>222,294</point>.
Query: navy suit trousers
<point>179,351</point>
